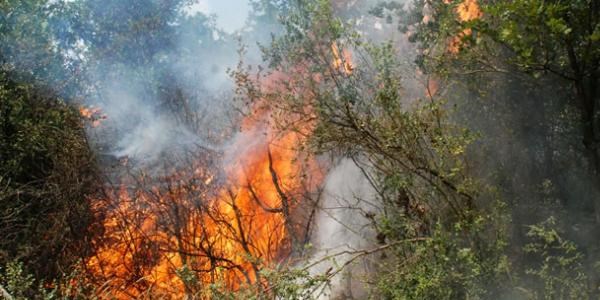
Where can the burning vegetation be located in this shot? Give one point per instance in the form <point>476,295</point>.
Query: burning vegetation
<point>467,10</point>
<point>344,158</point>
<point>220,218</point>
<point>92,114</point>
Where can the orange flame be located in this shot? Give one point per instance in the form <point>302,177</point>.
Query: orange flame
<point>467,10</point>
<point>153,235</point>
<point>342,61</point>
<point>92,114</point>
<point>194,228</point>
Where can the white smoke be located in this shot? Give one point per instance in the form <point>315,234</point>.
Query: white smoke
<point>137,125</point>
<point>342,226</point>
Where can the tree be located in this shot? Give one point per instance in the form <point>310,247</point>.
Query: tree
<point>521,73</point>
<point>411,153</point>
<point>561,39</point>
<point>553,43</point>
<point>47,170</point>
<point>39,45</point>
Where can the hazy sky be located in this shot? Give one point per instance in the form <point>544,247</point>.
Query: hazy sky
<point>231,14</point>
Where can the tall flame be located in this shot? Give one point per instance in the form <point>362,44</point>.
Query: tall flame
<point>170,236</point>
<point>156,232</point>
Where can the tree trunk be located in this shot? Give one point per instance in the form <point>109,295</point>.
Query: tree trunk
<point>586,92</point>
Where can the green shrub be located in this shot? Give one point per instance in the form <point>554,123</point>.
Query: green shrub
<point>46,172</point>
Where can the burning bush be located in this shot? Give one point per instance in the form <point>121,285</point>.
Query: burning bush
<point>217,218</point>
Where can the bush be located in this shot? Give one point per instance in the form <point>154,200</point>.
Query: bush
<point>46,171</point>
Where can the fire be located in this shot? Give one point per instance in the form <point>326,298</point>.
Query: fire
<point>467,10</point>
<point>190,222</point>
<point>169,237</point>
<point>342,61</point>
<point>92,114</point>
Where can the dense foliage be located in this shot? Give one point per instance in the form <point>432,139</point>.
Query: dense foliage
<point>486,184</point>
<point>47,168</point>
<point>442,229</point>
<point>46,171</point>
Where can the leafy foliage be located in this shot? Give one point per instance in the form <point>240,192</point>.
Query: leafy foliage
<point>560,270</point>
<point>412,154</point>
<point>431,174</point>
<point>46,171</point>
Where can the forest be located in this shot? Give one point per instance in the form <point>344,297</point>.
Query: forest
<point>314,149</point>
